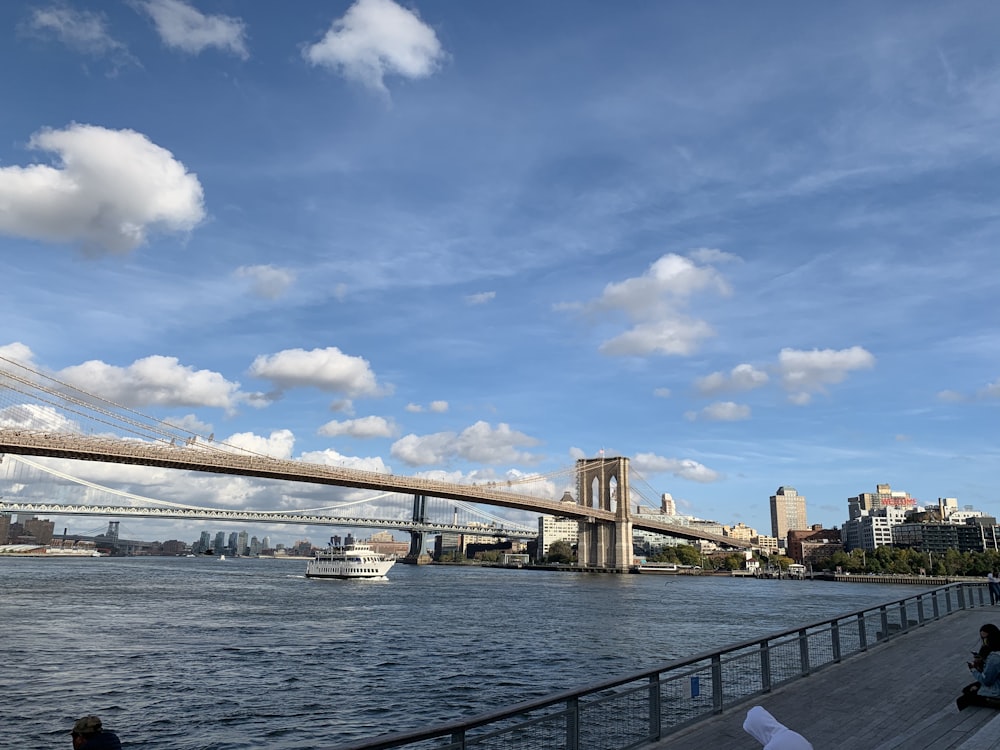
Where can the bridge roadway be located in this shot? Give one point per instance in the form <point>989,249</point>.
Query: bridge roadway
<point>260,516</point>
<point>899,695</point>
<point>211,458</point>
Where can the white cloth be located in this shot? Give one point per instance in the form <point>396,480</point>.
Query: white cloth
<point>771,733</point>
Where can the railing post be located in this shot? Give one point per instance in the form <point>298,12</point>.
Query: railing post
<point>835,635</point>
<point>804,651</point>
<point>904,619</point>
<point>884,613</point>
<point>765,666</point>
<point>862,632</point>
<point>654,706</point>
<point>935,608</point>
<point>572,724</point>
<point>458,739</point>
<point>717,683</point>
<point>961,596</point>
<point>920,609</point>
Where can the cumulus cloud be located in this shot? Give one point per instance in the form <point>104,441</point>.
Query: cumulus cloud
<point>684,468</point>
<point>109,189</point>
<point>82,31</point>
<point>36,417</point>
<point>365,427</point>
<point>376,38</point>
<point>479,443</point>
<point>154,380</point>
<point>654,302</point>
<point>330,457</point>
<point>19,353</point>
<point>187,29</point>
<point>279,444</point>
<point>438,407</point>
<point>806,372</point>
<point>481,298</point>
<point>721,411</point>
<point>327,369</point>
<point>740,378</point>
<point>267,281</point>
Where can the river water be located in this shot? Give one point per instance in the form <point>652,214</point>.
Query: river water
<point>188,654</point>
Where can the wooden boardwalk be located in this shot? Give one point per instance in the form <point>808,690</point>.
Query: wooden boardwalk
<point>897,696</point>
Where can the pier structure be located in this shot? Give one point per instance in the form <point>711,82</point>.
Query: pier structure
<point>882,678</point>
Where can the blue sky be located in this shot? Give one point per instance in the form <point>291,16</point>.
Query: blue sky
<point>746,245</point>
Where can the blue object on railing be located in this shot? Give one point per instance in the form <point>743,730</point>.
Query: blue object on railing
<point>695,687</point>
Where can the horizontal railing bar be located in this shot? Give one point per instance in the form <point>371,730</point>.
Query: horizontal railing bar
<point>770,641</point>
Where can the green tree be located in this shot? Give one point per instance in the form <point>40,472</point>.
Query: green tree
<point>560,552</point>
<point>687,555</point>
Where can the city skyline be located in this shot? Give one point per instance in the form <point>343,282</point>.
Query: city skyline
<point>747,247</point>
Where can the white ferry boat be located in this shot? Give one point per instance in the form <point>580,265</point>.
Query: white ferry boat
<point>352,561</point>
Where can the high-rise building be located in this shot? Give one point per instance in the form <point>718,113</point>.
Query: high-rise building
<point>788,511</point>
<point>667,504</point>
<point>242,543</point>
<point>883,497</point>
<point>4,527</point>
<point>220,542</point>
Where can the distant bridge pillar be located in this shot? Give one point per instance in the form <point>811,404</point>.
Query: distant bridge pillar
<point>602,483</point>
<point>416,553</point>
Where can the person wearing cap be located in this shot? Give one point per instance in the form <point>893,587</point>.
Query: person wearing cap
<point>89,734</point>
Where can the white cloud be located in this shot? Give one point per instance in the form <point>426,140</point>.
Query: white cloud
<point>806,372</point>
<point>185,28</point>
<point>365,427</point>
<point>327,369</point>
<point>279,444</point>
<point>684,468</point>
<point>481,298</point>
<point>438,407</point>
<point>577,453</point>
<point>110,189</point>
<point>987,392</point>
<point>190,423</point>
<point>18,352</point>
<point>267,281</point>
<point>661,392</point>
<point>740,378</point>
<point>36,417</point>
<point>479,443</point>
<point>158,380</point>
<point>83,31</point>
<point>330,457</point>
<point>376,38</point>
<point>654,303</point>
<point>725,411</point>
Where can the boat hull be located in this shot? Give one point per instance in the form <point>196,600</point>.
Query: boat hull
<point>356,561</point>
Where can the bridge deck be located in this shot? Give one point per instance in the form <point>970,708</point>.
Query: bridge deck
<point>897,696</point>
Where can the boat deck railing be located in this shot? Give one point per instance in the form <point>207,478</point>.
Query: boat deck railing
<point>635,709</point>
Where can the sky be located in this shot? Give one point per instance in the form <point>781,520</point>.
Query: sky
<point>745,245</point>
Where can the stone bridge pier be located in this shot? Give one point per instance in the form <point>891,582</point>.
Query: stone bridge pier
<point>416,554</point>
<point>602,483</point>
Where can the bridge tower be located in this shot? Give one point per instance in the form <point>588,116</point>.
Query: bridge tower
<point>416,554</point>
<point>602,483</point>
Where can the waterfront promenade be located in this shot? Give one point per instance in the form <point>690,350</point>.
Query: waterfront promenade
<point>897,696</point>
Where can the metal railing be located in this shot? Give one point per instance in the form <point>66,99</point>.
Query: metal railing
<point>643,707</point>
